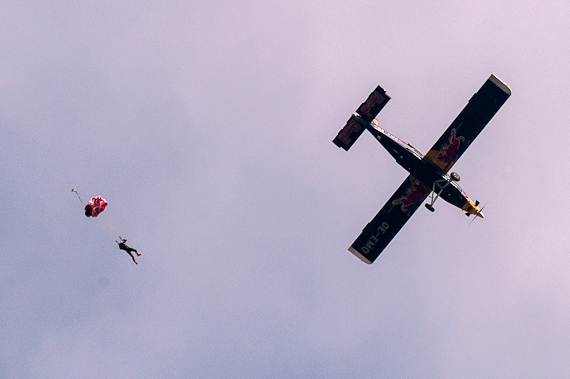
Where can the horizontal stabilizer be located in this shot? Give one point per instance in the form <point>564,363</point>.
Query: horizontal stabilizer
<point>350,133</point>
<point>373,105</point>
<point>367,112</point>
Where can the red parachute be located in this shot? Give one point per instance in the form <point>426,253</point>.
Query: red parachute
<point>95,206</point>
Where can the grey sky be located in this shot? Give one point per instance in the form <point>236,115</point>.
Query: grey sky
<point>208,127</point>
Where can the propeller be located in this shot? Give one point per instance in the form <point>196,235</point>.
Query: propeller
<point>479,212</point>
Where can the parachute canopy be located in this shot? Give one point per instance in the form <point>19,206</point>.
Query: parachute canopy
<point>95,206</point>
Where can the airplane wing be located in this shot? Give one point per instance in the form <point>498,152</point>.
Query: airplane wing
<point>391,218</point>
<point>472,119</point>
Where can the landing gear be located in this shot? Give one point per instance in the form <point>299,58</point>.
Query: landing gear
<point>455,176</point>
<point>437,189</point>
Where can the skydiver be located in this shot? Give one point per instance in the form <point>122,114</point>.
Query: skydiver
<point>128,249</point>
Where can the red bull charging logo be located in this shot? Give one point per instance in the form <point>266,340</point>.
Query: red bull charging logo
<point>412,196</point>
<point>450,149</point>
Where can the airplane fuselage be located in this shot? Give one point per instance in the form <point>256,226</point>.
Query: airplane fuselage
<point>428,173</point>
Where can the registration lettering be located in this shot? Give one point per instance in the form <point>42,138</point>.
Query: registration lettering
<point>373,240</point>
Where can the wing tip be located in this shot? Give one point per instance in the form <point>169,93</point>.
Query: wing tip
<point>499,83</point>
<point>360,256</point>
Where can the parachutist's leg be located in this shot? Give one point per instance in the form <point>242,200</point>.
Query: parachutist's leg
<point>132,257</point>
<point>135,250</point>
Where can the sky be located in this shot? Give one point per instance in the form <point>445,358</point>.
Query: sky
<point>208,127</point>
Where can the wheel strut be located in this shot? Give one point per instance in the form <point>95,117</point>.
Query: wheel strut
<point>434,194</point>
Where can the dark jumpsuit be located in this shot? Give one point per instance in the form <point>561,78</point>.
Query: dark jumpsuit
<point>128,249</point>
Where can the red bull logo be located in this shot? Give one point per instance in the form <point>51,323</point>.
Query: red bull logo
<point>350,128</point>
<point>413,194</point>
<point>450,149</point>
<point>374,99</point>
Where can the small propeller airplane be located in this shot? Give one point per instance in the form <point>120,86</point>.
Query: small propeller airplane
<point>428,174</point>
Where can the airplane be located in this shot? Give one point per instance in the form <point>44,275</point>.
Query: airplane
<point>428,174</point>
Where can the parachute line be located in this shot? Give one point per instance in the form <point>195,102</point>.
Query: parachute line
<point>79,197</point>
<point>108,225</point>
